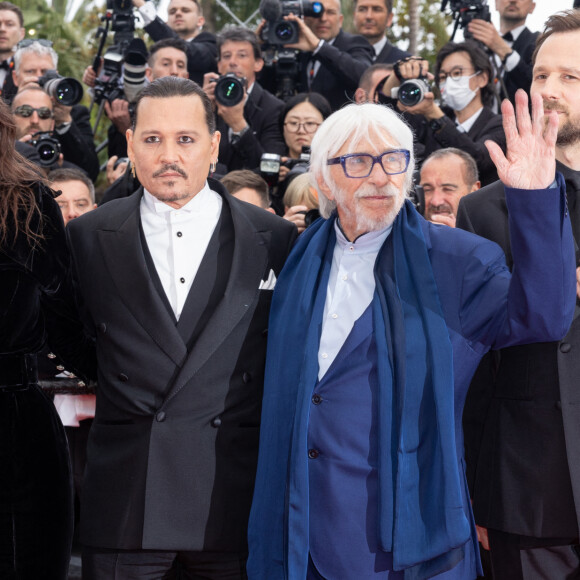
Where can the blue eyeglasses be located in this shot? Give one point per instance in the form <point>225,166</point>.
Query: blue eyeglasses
<point>357,165</point>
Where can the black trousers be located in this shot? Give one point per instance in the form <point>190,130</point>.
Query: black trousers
<point>515,557</point>
<point>102,564</point>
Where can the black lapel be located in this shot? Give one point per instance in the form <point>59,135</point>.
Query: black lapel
<point>248,266</point>
<point>480,123</point>
<point>125,260</point>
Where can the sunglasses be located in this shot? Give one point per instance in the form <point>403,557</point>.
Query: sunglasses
<point>30,41</point>
<point>26,111</point>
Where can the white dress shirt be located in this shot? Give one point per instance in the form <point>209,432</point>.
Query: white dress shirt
<point>178,238</point>
<point>351,286</point>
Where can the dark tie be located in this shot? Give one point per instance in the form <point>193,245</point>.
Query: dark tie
<point>508,37</point>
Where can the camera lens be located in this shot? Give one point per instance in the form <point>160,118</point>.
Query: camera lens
<point>67,91</point>
<point>284,31</point>
<point>412,92</point>
<point>48,153</point>
<point>229,90</point>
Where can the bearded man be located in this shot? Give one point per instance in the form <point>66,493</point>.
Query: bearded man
<point>360,471</point>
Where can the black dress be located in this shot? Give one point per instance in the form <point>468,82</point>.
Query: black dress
<point>36,302</point>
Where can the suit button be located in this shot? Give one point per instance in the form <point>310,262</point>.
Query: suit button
<point>313,453</point>
<point>123,378</point>
<point>246,377</point>
<point>59,368</point>
<point>102,327</point>
<point>51,355</point>
<point>316,399</point>
<point>160,417</point>
<point>565,347</point>
<point>216,422</point>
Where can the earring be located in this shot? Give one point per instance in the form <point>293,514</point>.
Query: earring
<point>212,166</point>
<point>133,170</point>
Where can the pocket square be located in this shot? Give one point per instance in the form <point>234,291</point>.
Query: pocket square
<point>269,283</point>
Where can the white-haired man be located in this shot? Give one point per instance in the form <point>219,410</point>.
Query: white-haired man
<point>361,471</point>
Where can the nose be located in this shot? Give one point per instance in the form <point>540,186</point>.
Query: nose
<point>550,89</point>
<point>378,176</point>
<point>168,152</point>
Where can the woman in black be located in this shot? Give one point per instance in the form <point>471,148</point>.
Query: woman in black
<point>36,303</point>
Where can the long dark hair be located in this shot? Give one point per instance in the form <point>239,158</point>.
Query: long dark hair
<point>18,204</point>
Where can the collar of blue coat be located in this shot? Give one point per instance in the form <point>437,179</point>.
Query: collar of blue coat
<point>422,520</point>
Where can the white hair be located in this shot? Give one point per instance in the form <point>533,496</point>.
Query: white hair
<point>37,49</point>
<point>355,123</point>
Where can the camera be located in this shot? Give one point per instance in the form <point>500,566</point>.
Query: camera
<point>278,31</point>
<point>411,91</point>
<point>311,216</point>
<point>464,11</point>
<point>65,90</point>
<point>229,89</point>
<point>270,168</point>
<point>47,146</point>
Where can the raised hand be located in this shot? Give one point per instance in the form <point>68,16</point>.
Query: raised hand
<point>530,160</point>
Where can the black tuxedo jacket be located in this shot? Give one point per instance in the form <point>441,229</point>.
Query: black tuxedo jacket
<point>262,112</point>
<point>342,64</point>
<point>201,51</point>
<point>521,76</point>
<point>173,448</point>
<point>391,54</point>
<point>487,126</point>
<point>8,88</point>
<point>522,414</point>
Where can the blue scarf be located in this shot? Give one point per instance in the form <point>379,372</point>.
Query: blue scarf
<point>421,515</point>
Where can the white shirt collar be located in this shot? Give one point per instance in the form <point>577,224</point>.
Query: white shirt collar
<point>378,46</point>
<point>468,123</point>
<point>369,242</point>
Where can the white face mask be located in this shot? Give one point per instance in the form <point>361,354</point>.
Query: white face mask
<point>456,93</point>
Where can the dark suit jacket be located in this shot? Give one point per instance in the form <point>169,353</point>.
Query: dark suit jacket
<point>173,448</point>
<point>342,64</point>
<point>521,76</point>
<point>391,54</point>
<point>262,112</point>
<point>201,51</point>
<point>8,88</point>
<point>487,126</point>
<point>522,414</point>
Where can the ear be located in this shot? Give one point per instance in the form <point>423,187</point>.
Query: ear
<point>200,22</point>
<point>14,77</point>
<point>324,188</point>
<point>390,20</point>
<point>149,73</point>
<point>130,151</point>
<point>360,96</point>
<point>475,186</point>
<point>258,65</point>
<point>271,210</point>
<point>215,146</point>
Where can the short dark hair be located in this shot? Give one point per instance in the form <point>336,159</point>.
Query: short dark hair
<point>479,59</point>
<point>236,180</point>
<point>13,8</point>
<point>198,4</point>
<point>565,21</point>
<point>315,99</point>
<point>63,175</point>
<point>173,42</point>
<point>388,5</point>
<point>167,87</point>
<point>239,34</point>
<point>365,79</point>
<point>470,171</point>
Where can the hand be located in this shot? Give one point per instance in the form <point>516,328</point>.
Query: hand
<point>138,3</point>
<point>307,40</point>
<point>530,161</point>
<point>413,68</point>
<point>482,537</point>
<point>61,113</point>
<point>90,76</point>
<point>487,34</point>
<point>283,173</point>
<point>114,173</point>
<point>209,86</point>
<point>118,113</point>
<point>234,116</point>
<point>296,214</point>
<point>427,107</point>
<point>445,219</point>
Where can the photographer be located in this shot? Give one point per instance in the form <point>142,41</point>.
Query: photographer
<point>250,127</point>
<point>464,77</point>
<point>32,60</point>
<point>512,46</point>
<point>332,61</point>
<point>185,21</point>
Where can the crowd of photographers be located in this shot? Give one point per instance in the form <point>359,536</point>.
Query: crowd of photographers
<point>271,88</point>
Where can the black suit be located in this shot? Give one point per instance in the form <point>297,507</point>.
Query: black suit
<point>521,76</point>
<point>262,113</point>
<point>391,54</point>
<point>341,65</point>
<point>487,126</point>
<point>172,452</point>
<point>201,51</point>
<point>522,414</point>
<point>8,88</point>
